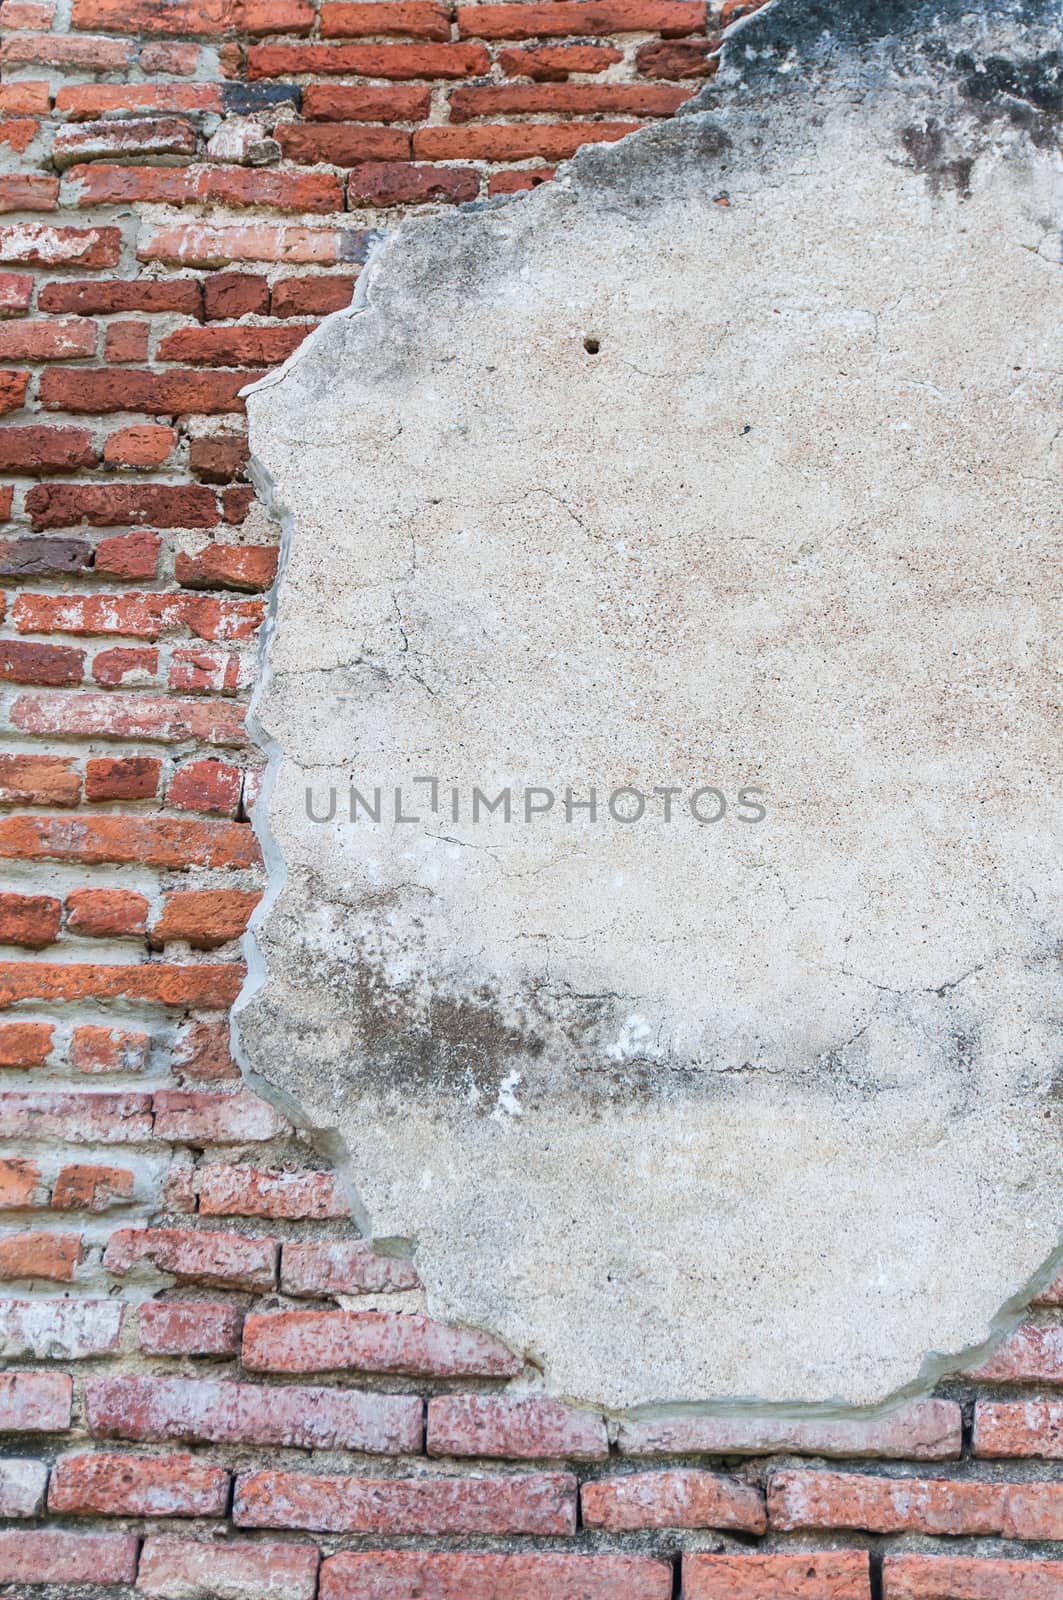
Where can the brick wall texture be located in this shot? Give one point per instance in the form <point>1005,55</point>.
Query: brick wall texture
<point>212,1387</point>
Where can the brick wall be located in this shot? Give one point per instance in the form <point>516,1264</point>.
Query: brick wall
<point>212,1385</point>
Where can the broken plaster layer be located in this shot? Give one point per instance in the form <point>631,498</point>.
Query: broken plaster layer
<point>694,1112</point>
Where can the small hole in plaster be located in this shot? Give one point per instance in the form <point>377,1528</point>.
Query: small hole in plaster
<point>592,345</point>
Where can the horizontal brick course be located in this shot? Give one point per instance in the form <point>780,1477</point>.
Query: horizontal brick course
<point>842,1575</point>
<point>531,1430</point>
<point>686,1498</point>
<point>923,1430</point>
<point>369,1341</point>
<point>183,1569</point>
<point>102,1484</point>
<point>413,1576</point>
<point>541,1504</point>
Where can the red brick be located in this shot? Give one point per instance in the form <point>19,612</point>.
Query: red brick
<point>18,134</point>
<point>20,98</point>
<point>201,1053</point>
<point>884,1505</point>
<point>124,778</point>
<point>397,183</point>
<point>104,1485</point>
<point>411,1575</point>
<point>1019,1428</point>
<point>210,786</point>
<point>179,1187</point>
<point>52,1256</point>
<point>61,340</point>
<point>177,17</point>
<point>38,450</point>
<point>177,1328</point>
<point>922,1430</point>
<point>235,294</point>
<point>94,298</point>
<point>184,1116</point>
<point>365,102</point>
<point>129,716</point>
<point>343,144</point>
<point>159,983</point>
<point>26,192</point>
<point>206,1412</point>
<point>241,1191</point>
<point>525,1430</point>
<point>557,18</point>
<point>102,505</point>
<point>38,781</point>
<point>236,1570</point>
<point>1033,1511</point>
<point>200,244</point>
<point>50,664</point>
<point>85,1187</point>
<point>343,1266</point>
<point>203,671</point>
<point>398,61</point>
<point>95,1049</point>
<point>684,58</point>
<point>145,616</point>
<point>206,185</point>
<point>35,1402</point>
<point>684,1498</point>
<point>119,1118</point>
<point>218,458</point>
<point>231,346</point>
<point>106,913</point>
<point>223,1260</point>
<point>47,1555</point>
<point>417,19</point>
<point>16,293</point>
<point>20,1184</point>
<point>25,1044</point>
<point>41,245</point>
<point>205,918</point>
<point>840,1575</point>
<point>959,1578</point>
<point>137,664</point>
<point>553,141</point>
<point>66,54</point>
<point>128,555</point>
<point>154,136</point>
<point>372,1341</point>
<point>168,393</point>
<point>12,390</point>
<point>171,58</point>
<point>635,99</point>
<point>97,99</point>
<point>237,501</point>
<point>277,16</point>
<point>551,63</point>
<point>144,445</point>
<point>29,920</point>
<point>543,1503</point>
<point>248,568</point>
<point>125,342</point>
<point>1032,1353</point>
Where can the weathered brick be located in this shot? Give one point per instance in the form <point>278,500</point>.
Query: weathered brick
<point>200,1411</point>
<point>178,17</point>
<point>396,183</point>
<point>180,1569</point>
<point>210,786</point>
<point>231,346</point>
<point>1033,1511</point>
<point>146,616</point>
<point>118,716</point>
<point>20,1184</point>
<point>201,1053</point>
<point>923,1430</point>
<point>417,19</point>
<point>101,1484</point>
<point>25,1044</point>
<point>884,1505</point>
<point>25,97</point>
<point>217,244</point>
<point>411,1575</point>
<point>342,144</point>
<point>103,505</point>
<point>40,558</point>
<point>49,664</point>
<point>85,1186</point>
<point>542,1503</point>
<point>143,445</point>
<point>95,298</point>
<point>527,1430</point>
<point>184,1116</point>
<point>126,342</point>
<point>122,777</point>
<point>35,1402</point>
<point>960,1578</point>
<point>38,781</point>
<point>205,918</point>
<point>98,184</point>
<point>219,458</point>
<point>66,54</point>
<point>52,1256</point>
<point>27,191</point>
<point>222,1260</point>
<point>552,63</point>
<point>170,56</point>
<point>22,1487</point>
<point>16,293</point>
<point>372,1341</point>
<point>59,1330</point>
<point>249,568</point>
<point>29,920</point>
<point>1019,1428</point>
<point>683,1498</point>
<point>118,1118</point>
<point>178,1328</point>
<point>556,18</point>
<point>143,136</point>
<point>39,450</point>
<point>85,100</point>
<point>128,555</point>
<point>342,1266</point>
<point>834,1575</point>
<point>234,294</point>
<point>12,390</point>
<point>366,102</point>
<point>634,99</point>
<point>398,61</point>
<point>102,914</point>
<point>165,393</point>
<point>97,1049</point>
<point>1031,1353</point>
<point>125,664</point>
<point>242,1191</point>
<point>47,1555</point>
<point>501,141</point>
<point>158,983</point>
<point>680,58</point>
<point>41,245</point>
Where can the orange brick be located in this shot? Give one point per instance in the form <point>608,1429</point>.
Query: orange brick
<point>106,913</point>
<point>144,445</point>
<point>25,1044</point>
<point>98,1050</point>
<point>85,1187</point>
<point>52,1256</point>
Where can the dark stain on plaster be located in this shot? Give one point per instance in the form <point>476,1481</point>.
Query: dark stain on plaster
<point>928,149</point>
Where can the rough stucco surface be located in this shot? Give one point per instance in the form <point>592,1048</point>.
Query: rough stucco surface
<point>684,1111</point>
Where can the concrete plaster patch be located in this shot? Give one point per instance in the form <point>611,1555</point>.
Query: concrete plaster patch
<point>728,462</point>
